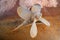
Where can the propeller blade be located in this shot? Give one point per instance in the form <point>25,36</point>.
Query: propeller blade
<point>23,13</point>
<point>44,21</point>
<point>25,22</point>
<point>33,31</point>
<point>19,10</point>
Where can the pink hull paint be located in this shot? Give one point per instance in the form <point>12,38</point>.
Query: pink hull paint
<point>12,11</point>
<point>46,3</point>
